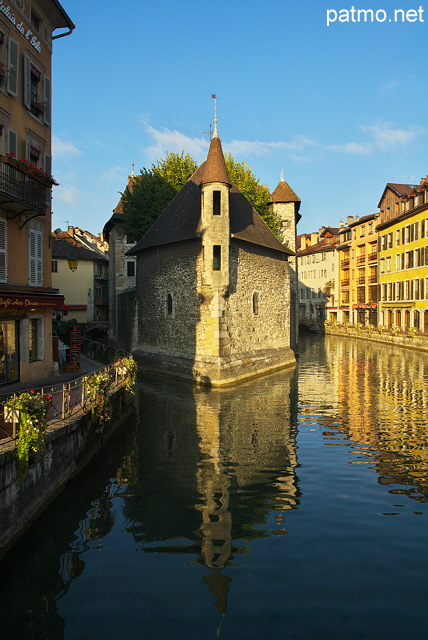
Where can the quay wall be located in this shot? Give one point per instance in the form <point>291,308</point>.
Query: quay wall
<point>68,448</point>
<point>419,342</point>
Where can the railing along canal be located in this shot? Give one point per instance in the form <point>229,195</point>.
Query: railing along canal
<point>69,401</point>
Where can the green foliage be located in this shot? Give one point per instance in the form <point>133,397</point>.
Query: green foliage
<point>153,190</point>
<point>255,192</point>
<point>175,169</point>
<point>29,408</point>
<point>127,369</point>
<point>98,387</point>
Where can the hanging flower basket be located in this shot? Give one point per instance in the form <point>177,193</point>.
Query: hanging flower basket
<point>30,170</point>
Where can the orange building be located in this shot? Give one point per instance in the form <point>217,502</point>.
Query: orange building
<point>27,299</point>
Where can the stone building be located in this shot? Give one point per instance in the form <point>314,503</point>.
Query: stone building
<point>212,285</point>
<point>122,271</point>
<point>285,205</point>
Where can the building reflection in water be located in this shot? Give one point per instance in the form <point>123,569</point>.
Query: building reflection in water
<point>213,465</point>
<point>203,474</point>
<point>378,397</point>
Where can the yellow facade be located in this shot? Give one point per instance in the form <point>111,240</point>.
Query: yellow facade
<point>27,300</point>
<point>403,259</point>
<point>358,271</point>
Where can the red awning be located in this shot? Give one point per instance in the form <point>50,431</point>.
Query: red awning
<point>29,301</point>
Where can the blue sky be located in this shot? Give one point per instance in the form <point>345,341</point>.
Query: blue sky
<point>340,109</point>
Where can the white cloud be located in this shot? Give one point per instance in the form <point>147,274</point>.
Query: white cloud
<point>258,148</point>
<point>67,195</point>
<point>387,137</point>
<point>383,136</point>
<point>168,140</point>
<point>361,149</point>
<point>173,141</point>
<point>61,149</point>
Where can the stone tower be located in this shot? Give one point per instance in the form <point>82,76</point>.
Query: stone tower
<point>212,285</point>
<point>285,205</point>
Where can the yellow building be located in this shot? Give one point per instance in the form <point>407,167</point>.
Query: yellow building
<point>358,270</point>
<point>403,256</point>
<point>27,299</point>
<point>80,272</point>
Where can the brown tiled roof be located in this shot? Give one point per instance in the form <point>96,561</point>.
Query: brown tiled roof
<point>65,247</point>
<point>181,220</point>
<point>399,189</point>
<point>214,166</point>
<point>284,193</point>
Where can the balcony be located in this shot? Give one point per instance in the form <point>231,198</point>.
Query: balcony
<point>344,264</point>
<point>19,192</point>
<point>372,257</point>
<point>361,280</point>
<point>361,259</point>
<point>345,283</point>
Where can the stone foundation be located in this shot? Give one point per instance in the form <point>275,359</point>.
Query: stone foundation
<point>213,370</point>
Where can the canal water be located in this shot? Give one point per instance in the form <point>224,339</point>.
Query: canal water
<point>292,507</point>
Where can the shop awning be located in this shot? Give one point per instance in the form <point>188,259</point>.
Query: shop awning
<point>24,301</point>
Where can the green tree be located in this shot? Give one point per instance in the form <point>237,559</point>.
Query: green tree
<point>153,190</point>
<point>255,192</point>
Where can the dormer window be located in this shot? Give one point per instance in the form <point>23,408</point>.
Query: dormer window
<point>216,203</point>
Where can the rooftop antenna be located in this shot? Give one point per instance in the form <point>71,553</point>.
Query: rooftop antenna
<point>215,132</point>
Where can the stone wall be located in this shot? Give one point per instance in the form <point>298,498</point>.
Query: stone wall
<point>68,449</point>
<point>207,332</point>
<point>419,342</point>
<point>168,270</point>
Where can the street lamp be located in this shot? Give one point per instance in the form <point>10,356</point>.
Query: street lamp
<point>73,262</point>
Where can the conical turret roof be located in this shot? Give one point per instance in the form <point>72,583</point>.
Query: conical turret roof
<point>215,166</point>
<point>284,193</point>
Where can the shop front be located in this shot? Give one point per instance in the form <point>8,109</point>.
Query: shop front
<point>26,335</point>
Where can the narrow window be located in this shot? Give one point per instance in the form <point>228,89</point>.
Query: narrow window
<point>130,269</point>
<point>216,202</point>
<point>169,306</point>
<point>54,266</point>
<point>216,257</point>
<point>255,303</point>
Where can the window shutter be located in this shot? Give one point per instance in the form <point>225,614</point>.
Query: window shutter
<point>47,101</point>
<point>47,163</point>
<point>12,62</point>
<point>27,82</point>
<point>12,142</point>
<point>35,258</point>
<point>3,250</point>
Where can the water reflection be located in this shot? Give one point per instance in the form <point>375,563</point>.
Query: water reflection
<point>378,397</point>
<point>204,488</point>
<point>213,464</point>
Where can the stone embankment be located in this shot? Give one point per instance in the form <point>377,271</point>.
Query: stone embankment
<point>411,339</point>
<point>70,442</point>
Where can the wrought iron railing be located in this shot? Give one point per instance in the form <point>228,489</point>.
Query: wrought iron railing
<point>70,400</point>
<point>20,186</point>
